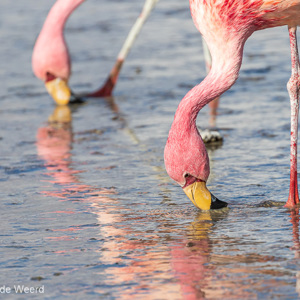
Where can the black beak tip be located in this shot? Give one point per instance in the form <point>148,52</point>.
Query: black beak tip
<point>216,203</point>
<point>76,99</point>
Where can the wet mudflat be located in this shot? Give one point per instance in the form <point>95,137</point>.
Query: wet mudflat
<point>87,209</point>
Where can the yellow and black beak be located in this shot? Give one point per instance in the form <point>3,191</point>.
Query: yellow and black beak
<point>202,197</point>
<point>59,90</point>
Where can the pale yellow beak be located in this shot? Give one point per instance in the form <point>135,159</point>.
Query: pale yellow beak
<point>202,197</point>
<point>199,195</point>
<point>59,90</point>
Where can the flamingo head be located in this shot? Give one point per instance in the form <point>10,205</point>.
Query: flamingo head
<point>51,63</point>
<point>187,163</point>
<point>58,88</point>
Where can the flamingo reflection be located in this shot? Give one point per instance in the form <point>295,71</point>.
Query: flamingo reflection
<point>54,142</point>
<point>54,145</point>
<point>168,261</point>
<point>146,252</point>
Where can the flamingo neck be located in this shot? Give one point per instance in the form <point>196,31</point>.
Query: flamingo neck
<point>50,56</point>
<point>222,76</point>
<point>185,152</point>
<point>59,14</point>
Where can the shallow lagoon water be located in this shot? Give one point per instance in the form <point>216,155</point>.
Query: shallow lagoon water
<point>87,209</point>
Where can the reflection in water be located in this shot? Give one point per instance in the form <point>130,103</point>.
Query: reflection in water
<point>294,215</point>
<point>190,258</point>
<point>205,274</point>
<point>54,143</point>
<point>131,260</point>
<point>150,254</point>
<point>196,267</point>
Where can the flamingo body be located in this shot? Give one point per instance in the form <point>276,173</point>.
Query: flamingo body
<point>225,26</point>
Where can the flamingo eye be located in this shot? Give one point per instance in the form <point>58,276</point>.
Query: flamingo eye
<point>186,175</point>
<point>49,77</point>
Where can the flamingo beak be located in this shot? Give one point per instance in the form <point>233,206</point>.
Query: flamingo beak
<point>59,90</point>
<point>202,197</point>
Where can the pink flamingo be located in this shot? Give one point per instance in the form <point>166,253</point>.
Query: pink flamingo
<point>226,25</point>
<point>50,59</point>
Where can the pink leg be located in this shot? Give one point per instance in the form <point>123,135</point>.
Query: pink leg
<point>293,89</point>
<point>107,88</point>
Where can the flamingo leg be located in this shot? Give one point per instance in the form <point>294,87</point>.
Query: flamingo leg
<point>293,87</point>
<point>107,88</point>
<point>214,104</point>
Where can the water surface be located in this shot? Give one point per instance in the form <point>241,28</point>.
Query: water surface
<point>87,209</point>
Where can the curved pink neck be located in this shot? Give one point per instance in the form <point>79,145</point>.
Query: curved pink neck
<point>59,13</point>
<point>222,76</point>
<point>185,151</point>
<point>50,53</point>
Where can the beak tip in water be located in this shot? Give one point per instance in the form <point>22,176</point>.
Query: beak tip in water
<point>216,203</point>
<point>202,197</point>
